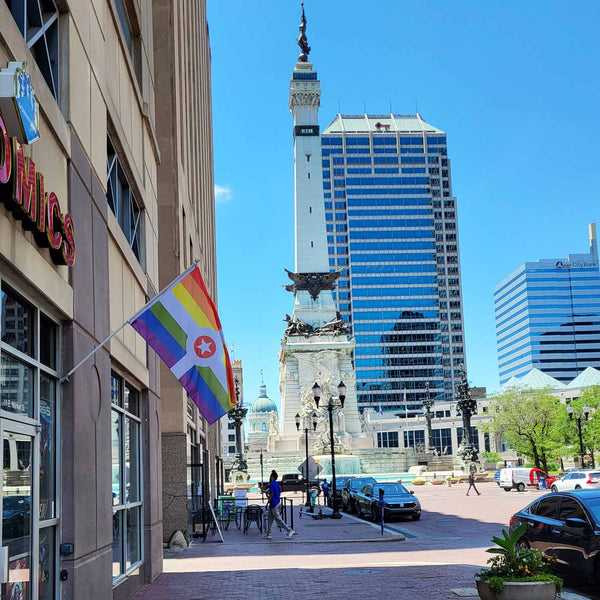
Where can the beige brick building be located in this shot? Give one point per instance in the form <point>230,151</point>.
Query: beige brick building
<point>82,458</point>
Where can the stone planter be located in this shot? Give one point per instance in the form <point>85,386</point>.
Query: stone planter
<point>437,482</point>
<point>519,590</point>
<point>418,482</point>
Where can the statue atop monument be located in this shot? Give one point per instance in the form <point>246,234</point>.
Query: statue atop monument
<point>302,40</point>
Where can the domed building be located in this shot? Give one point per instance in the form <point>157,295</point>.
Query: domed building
<point>262,418</point>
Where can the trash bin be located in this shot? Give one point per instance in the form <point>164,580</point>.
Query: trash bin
<point>542,483</point>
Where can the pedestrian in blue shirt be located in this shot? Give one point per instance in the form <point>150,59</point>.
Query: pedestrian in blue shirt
<point>274,508</point>
<point>326,492</point>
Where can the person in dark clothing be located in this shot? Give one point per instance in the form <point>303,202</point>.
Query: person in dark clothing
<point>472,483</point>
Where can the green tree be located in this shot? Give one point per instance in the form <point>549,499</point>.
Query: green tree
<point>590,428</point>
<point>529,421</point>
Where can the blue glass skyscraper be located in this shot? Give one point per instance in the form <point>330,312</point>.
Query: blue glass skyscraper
<point>548,316</point>
<point>392,231</point>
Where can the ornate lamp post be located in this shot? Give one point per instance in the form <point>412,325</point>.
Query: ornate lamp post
<point>467,407</point>
<point>307,503</point>
<point>428,403</point>
<point>237,414</point>
<point>585,410</point>
<point>331,404</point>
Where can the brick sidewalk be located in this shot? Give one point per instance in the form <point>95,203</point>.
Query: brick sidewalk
<point>441,553</point>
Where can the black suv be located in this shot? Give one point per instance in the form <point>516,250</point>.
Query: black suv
<point>350,489</point>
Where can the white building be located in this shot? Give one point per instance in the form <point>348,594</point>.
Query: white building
<point>262,418</point>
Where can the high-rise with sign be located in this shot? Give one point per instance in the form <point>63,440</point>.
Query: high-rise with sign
<point>548,316</point>
<point>392,230</point>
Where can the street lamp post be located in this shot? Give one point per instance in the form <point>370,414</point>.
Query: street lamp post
<point>428,403</point>
<point>466,407</point>
<point>316,390</point>
<point>585,410</point>
<point>237,414</point>
<point>307,503</point>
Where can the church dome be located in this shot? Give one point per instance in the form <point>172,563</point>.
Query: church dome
<point>263,404</point>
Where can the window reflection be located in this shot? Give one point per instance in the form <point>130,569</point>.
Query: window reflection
<point>16,386</point>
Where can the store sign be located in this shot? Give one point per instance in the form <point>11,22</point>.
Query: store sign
<point>580,264</point>
<point>23,192</point>
<point>18,103</point>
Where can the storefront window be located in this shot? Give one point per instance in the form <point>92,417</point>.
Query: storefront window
<point>47,447</point>
<point>28,401</point>
<point>126,461</point>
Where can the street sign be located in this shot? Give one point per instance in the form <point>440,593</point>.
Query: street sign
<point>314,468</point>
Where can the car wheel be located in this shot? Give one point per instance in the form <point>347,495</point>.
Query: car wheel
<point>507,489</point>
<point>554,488</point>
<point>416,517</point>
<point>523,544</point>
<point>520,487</point>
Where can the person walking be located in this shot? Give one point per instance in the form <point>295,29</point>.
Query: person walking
<point>274,508</point>
<point>326,492</point>
<point>472,482</point>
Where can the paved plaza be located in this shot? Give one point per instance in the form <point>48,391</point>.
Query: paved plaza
<point>434,558</point>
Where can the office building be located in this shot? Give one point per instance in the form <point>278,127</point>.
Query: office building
<point>186,233</point>
<point>548,316</point>
<point>392,230</point>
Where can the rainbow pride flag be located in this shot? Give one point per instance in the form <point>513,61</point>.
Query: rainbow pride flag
<point>182,326</point>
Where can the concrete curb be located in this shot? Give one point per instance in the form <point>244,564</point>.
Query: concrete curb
<point>398,537</point>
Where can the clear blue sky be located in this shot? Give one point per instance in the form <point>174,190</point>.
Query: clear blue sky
<point>514,85</point>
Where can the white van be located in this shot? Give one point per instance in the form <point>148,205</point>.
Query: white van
<point>519,478</point>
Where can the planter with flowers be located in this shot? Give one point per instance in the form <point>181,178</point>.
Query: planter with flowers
<point>517,572</point>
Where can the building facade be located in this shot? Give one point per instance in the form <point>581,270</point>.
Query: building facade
<point>228,429</point>
<point>186,217</point>
<point>392,231</point>
<point>262,420</point>
<point>548,316</point>
<point>78,257</point>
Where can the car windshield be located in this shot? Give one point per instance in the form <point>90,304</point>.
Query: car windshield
<point>357,484</point>
<point>390,488</point>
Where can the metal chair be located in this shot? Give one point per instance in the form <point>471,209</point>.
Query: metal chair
<point>253,514</point>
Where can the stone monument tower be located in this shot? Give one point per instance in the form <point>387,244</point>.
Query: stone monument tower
<point>317,345</point>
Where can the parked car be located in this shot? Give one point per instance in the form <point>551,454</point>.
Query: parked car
<point>588,479</point>
<point>521,477</point>
<point>565,526</point>
<point>293,482</point>
<point>398,502</point>
<point>351,488</point>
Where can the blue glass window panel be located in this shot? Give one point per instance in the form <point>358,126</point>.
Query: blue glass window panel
<point>326,185</point>
<point>408,280</point>
<point>340,216</point>
<point>325,152</point>
<point>331,250</point>
<point>325,164</point>
<point>384,141</point>
<point>357,141</point>
<point>412,159</point>
<point>396,245</point>
<point>387,181</point>
<point>327,195</point>
<point>329,226</point>
<point>387,224</point>
<point>411,150</point>
<point>340,205</point>
<point>384,170</point>
<point>327,174</point>
<point>332,262</point>
<point>328,217</point>
<point>386,191</point>
<point>341,227</point>
<point>336,151</point>
<point>342,261</point>
<point>414,170</point>
<point>385,151</point>
<point>357,151</point>
<point>340,239</point>
<point>359,160</point>
<point>432,160</point>
<point>380,202</point>
<point>339,194</point>
<point>330,239</point>
<point>338,171</point>
<point>389,212</point>
<point>382,160</point>
<point>339,160</point>
<point>400,292</point>
<point>405,257</point>
<point>331,141</point>
<point>422,268</point>
<point>302,76</point>
<point>411,141</point>
<point>360,171</point>
<point>436,140</point>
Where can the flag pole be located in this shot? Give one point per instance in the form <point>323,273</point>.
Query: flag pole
<point>137,314</point>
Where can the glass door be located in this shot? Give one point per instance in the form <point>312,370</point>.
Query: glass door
<point>18,475</point>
